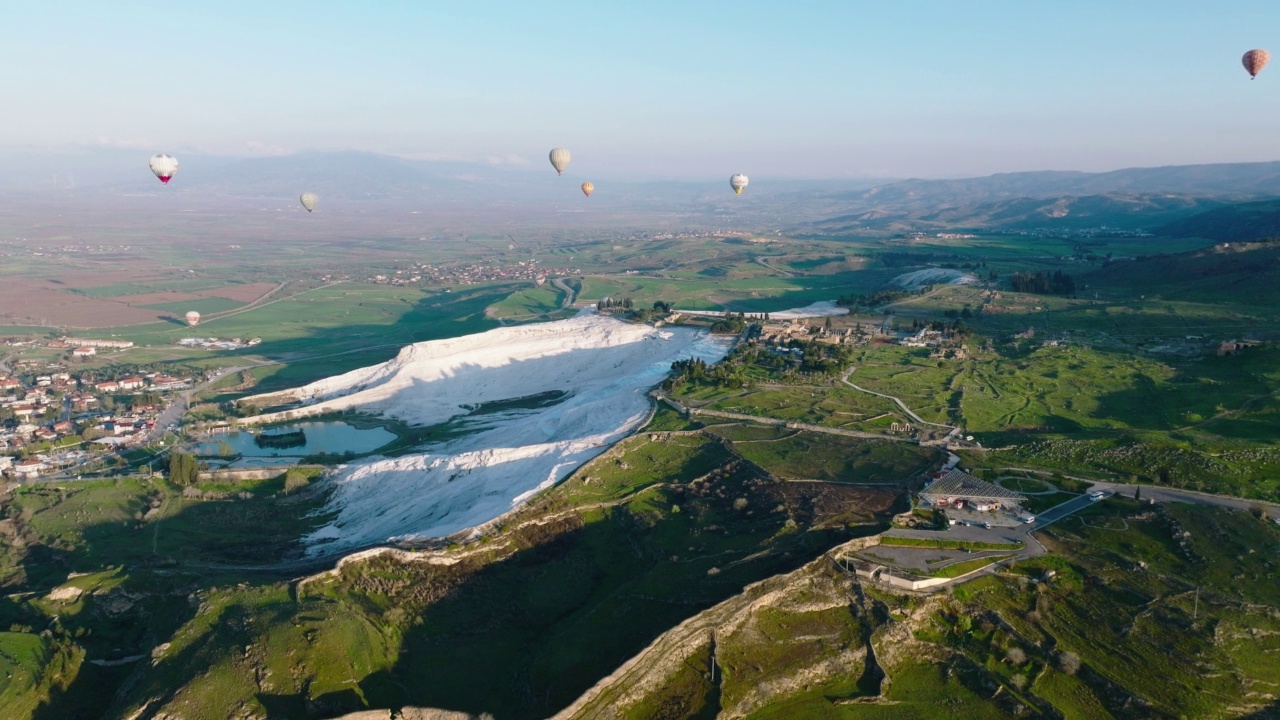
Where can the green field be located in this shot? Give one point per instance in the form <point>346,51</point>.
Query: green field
<point>528,304</point>
<point>204,306</point>
<point>800,455</point>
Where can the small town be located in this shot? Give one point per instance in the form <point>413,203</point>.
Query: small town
<point>470,274</point>
<point>54,420</point>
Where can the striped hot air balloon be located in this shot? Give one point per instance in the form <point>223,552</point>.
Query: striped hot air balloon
<point>738,183</point>
<point>559,159</point>
<point>587,188</point>
<point>1254,61</point>
<point>164,166</point>
<point>308,200</point>
<point>193,318</point>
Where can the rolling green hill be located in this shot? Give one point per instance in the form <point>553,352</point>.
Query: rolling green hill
<point>1237,273</point>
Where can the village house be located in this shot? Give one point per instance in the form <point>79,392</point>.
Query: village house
<point>10,384</point>
<point>131,383</point>
<point>166,382</point>
<point>84,351</point>
<point>83,402</point>
<point>29,468</point>
<point>108,386</point>
<point>64,428</point>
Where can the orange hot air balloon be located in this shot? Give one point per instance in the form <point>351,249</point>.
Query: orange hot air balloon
<point>1254,61</point>
<point>587,188</point>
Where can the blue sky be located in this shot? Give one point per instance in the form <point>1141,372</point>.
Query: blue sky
<point>655,89</point>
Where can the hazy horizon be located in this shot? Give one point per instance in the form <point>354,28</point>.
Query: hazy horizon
<point>660,91</point>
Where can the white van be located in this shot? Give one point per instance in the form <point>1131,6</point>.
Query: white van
<point>1097,495</point>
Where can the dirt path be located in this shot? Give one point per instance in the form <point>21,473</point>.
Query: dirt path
<point>952,428</point>
<point>689,411</point>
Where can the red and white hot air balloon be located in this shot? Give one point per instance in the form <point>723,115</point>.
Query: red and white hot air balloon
<point>164,166</point>
<point>1254,61</point>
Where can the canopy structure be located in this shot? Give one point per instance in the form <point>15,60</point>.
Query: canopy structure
<point>960,485</point>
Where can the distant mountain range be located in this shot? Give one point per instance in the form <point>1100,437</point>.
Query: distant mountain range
<point>1135,198</point>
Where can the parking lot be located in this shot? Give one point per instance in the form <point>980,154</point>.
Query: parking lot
<point>997,518</point>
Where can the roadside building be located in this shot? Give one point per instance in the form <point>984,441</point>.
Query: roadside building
<point>957,488</point>
<point>131,383</point>
<point>84,351</point>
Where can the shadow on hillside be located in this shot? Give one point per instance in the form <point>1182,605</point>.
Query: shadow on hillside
<point>525,637</point>
<point>430,318</point>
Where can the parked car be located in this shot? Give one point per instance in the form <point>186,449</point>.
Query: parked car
<point>1096,495</point>
<point>986,524</point>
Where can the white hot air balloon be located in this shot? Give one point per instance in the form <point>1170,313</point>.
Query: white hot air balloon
<point>164,166</point>
<point>738,183</point>
<point>308,200</point>
<point>193,318</point>
<point>559,159</point>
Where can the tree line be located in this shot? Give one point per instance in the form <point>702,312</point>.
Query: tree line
<point>1043,283</point>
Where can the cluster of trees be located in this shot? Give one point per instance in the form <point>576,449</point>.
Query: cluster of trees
<point>730,323</point>
<point>1043,283</point>
<point>823,357</point>
<point>730,373</point>
<point>875,299</point>
<point>183,469</point>
<point>611,304</point>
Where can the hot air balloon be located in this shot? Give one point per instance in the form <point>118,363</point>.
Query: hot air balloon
<point>308,200</point>
<point>193,318</point>
<point>587,187</point>
<point>164,166</point>
<point>559,159</point>
<point>1254,61</point>
<point>738,182</point>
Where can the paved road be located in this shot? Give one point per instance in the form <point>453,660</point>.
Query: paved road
<point>1160,493</point>
<point>569,294</point>
<point>1057,512</point>
<point>1167,494</point>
